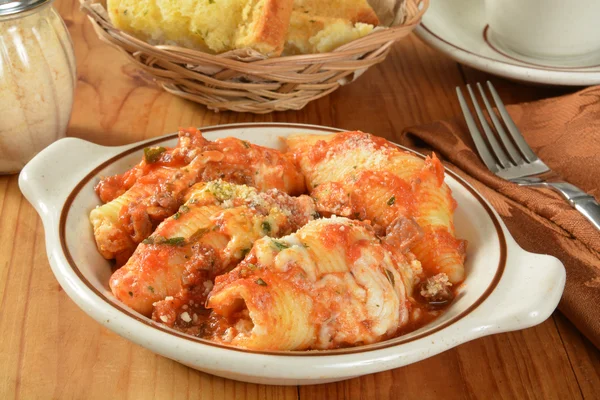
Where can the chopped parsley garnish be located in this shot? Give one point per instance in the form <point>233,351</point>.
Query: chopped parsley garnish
<point>221,190</point>
<point>391,201</point>
<point>266,227</point>
<point>148,240</point>
<point>261,282</point>
<point>279,245</point>
<point>390,277</point>
<point>150,288</point>
<point>152,154</point>
<point>183,209</point>
<point>176,215</point>
<point>246,144</point>
<point>175,241</point>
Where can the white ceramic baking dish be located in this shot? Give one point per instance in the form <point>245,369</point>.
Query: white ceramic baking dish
<point>506,287</point>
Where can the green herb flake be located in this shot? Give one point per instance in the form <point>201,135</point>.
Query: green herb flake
<point>176,215</point>
<point>279,245</point>
<point>183,209</point>
<point>198,234</point>
<point>148,240</point>
<point>246,144</point>
<point>152,154</point>
<point>261,282</point>
<point>211,1</point>
<point>125,12</point>
<point>390,277</point>
<point>266,227</point>
<point>315,215</point>
<point>175,241</point>
<point>130,294</point>
<point>150,288</point>
<point>391,201</point>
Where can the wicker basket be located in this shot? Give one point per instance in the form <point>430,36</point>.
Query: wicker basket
<point>257,86</point>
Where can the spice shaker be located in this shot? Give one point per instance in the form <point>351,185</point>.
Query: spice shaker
<point>37,80</point>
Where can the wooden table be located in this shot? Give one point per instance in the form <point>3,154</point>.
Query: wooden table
<point>49,348</point>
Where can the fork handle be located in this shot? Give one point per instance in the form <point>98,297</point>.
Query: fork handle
<point>580,200</point>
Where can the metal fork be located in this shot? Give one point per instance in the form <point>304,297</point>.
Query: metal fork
<point>511,157</point>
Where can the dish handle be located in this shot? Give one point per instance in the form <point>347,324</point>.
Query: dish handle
<point>527,294</point>
<point>48,179</point>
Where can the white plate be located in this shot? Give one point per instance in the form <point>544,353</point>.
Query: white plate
<point>506,288</point>
<point>458,28</point>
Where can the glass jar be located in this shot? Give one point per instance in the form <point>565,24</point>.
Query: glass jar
<point>37,80</point>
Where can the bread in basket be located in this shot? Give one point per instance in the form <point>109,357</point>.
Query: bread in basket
<point>244,80</point>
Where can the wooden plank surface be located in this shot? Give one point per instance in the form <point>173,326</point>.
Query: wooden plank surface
<point>51,349</point>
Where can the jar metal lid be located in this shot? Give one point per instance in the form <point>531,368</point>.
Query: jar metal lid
<point>18,6</point>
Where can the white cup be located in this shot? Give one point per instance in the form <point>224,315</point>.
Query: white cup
<point>546,28</point>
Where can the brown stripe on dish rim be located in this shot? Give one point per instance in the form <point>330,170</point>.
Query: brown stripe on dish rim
<point>359,349</point>
<point>514,57</point>
<point>578,70</point>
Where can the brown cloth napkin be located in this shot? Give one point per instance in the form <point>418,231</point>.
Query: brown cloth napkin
<point>565,133</point>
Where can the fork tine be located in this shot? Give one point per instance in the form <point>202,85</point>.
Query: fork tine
<point>512,128</point>
<point>496,148</point>
<point>514,154</point>
<point>482,148</point>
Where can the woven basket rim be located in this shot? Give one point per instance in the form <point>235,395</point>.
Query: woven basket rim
<point>415,11</point>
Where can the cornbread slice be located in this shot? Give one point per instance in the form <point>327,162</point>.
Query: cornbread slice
<point>209,25</point>
<point>311,34</point>
<point>321,26</point>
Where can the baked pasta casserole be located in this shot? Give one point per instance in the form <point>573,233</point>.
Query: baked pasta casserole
<point>342,240</point>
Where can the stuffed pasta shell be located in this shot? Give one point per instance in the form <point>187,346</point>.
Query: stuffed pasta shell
<point>154,189</point>
<point>210,234</point>
<point>331,284</point>
<point>125,221</point>
<point>357,175</point>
